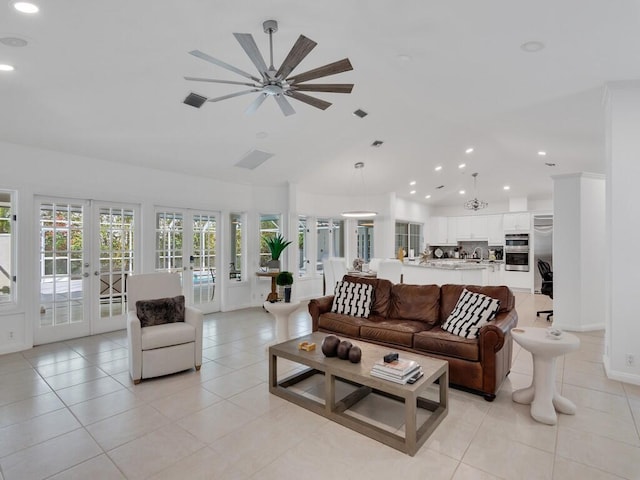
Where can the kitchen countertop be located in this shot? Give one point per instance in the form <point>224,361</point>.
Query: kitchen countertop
<point>457,264</point>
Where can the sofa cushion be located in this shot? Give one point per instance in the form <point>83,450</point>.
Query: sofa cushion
<point>450,293</point>
<point>352,299</point>
<point>381,293</point>
<point>438,341</point>
<point>471,312</point>
<point>160,311</point>
<point>167,335</point>
<point>415,302</point>
<point>341,324</point>
<point>395,331</point>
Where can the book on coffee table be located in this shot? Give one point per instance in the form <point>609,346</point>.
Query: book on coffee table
<point>397,368</point>
<point>394,378</point>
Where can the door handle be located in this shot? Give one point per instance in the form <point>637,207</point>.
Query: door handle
<point>96,273</point>
<point>85,274</point>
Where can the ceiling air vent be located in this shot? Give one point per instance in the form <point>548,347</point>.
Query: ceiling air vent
<point>441,186</point>
<point>360,113</point>
<point>195,100</point>
<point>253,159</point>
<point>377,143</point>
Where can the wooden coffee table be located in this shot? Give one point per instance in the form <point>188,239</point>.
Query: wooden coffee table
<point>358,374</point>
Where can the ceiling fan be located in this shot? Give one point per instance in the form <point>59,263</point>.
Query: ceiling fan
<point>275,83</point>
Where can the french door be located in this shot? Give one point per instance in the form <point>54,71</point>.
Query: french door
<point>186,242</point>
<point>86,253</point>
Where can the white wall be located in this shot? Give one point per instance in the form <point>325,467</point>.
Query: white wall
<point>623,230</point>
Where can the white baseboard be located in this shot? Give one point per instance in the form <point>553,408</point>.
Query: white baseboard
<point>582,328</point>
<point>617,375</point>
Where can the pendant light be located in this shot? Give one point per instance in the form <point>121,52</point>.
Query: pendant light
<point>359,166</point>
<point>475,204</point>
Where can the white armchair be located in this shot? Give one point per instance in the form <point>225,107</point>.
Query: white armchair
<point>161,349</point>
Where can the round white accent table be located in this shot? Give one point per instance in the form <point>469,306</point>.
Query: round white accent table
<point>281,311</point>
<point>542,393</point>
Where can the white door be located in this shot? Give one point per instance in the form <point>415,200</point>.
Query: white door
<point>64,271</point>
<point>186,242</point>
<point>86,252</point>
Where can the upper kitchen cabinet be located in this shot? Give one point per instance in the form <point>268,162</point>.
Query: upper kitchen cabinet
<point>441,231</point>
<point>472,227</point>
<point>495,229</point>
<point>517,222</point>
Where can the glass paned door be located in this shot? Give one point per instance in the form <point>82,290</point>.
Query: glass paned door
<point>116,258</point>
<point>203,260</point>
<point>169,239</point>
<point>64,272</point>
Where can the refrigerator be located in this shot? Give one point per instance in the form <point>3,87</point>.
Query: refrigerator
<point>542,245</point>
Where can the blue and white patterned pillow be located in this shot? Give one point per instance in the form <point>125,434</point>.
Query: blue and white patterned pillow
<point>352,299</point>
<point>472,311</point>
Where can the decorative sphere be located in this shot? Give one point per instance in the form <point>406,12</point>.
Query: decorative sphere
<point>330,345</point>
<point>343,349</point>
<point>355,354</point>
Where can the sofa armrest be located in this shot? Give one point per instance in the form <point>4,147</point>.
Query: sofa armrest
<point>318,306</point>
<point>194,317</point>
<point>492,335</point>
<point>134,341</point>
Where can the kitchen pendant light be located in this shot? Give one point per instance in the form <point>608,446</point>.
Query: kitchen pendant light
<point>359,213</point>
<point>475,204</point>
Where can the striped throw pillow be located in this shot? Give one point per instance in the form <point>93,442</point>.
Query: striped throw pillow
<point>352,299</point>
<point>472,311</point>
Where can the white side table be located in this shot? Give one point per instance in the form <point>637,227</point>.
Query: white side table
<point>281,311</point>
<point>542,395</point>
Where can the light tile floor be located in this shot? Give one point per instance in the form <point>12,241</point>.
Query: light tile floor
<point>69,411</point>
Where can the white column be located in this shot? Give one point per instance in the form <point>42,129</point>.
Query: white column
<point>623,230</point>
<point>579,301</point>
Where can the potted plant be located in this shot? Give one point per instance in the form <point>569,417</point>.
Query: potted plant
<point>276,245</point>
<point>285,279</point>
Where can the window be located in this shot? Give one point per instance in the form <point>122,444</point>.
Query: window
<point>409,237</point>
<point>235,246</point>
<point>303,256</point>
<point>7,241</point>
<point>365,239</point>
<point>330,239</point>
<point>269,227</point>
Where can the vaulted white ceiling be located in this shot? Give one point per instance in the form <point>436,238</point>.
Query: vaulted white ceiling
<point>105,80</point>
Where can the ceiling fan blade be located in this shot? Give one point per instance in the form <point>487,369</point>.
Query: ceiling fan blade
<point>324,87</point>
<point>253,106</point>
<point>300,49</point>
<point>231,95</point>
<point>220,63</point>
<point>340,66</point>
<point>198,79</point>
<point>248,44</point>
<point>284,105</point>
<point>313,101</point>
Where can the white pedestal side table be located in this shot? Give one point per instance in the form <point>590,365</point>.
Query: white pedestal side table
<point>281,311</point>
<point>541,394</point>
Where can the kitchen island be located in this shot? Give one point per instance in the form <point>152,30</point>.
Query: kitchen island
<point>440,272</point>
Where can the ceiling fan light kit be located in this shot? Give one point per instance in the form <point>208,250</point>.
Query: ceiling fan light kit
<point>275,83</point>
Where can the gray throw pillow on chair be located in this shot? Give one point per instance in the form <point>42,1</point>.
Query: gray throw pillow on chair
<point>160,311</point>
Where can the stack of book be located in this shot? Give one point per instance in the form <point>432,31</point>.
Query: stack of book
<point>399,371</point>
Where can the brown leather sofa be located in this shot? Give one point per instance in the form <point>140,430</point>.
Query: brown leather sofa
<point>408,317</point>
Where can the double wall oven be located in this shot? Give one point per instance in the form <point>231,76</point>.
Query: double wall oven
<point>516,250</point>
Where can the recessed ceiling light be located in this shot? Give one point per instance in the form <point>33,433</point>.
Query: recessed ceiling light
<point>462,165</point>
<point>26,7</point>
<point>427,197</point>
<point>542,153</point>
<point>461,192</point>
<point>13,41</point>
<point>438,168</point>
<point>412,192</point>
<point>469,150</point>
<point>506,187</point>
<point>412,183</point>
<point>6,68</point>
<point>532,47</point>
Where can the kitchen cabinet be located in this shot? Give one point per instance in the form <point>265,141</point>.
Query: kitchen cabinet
<point>439,231</point>
<point>495,230</point>
<point>471,228</point>
<point>452,231</point>
<point>517,222</point>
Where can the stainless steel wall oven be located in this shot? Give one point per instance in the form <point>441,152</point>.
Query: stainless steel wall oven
<point>516,251</point>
